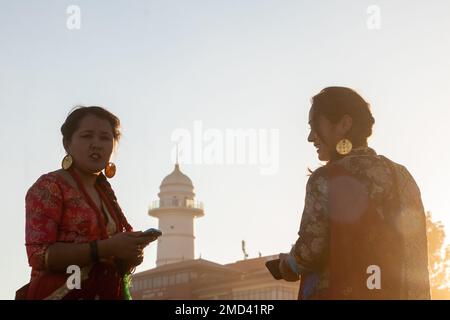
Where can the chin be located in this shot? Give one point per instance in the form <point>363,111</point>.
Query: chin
<point>97,170</point>
<point>323,158</point>
<point>93,170</point>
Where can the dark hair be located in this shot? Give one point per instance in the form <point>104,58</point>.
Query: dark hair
<point>77,114</point>
<point>335,102</point>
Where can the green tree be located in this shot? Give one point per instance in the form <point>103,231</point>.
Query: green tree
<point>438,259</point>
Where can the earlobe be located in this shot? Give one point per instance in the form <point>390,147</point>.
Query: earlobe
<point>66,146</point>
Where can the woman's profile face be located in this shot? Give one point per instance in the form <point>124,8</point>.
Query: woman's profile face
<point>91,145</point>
<point>330,134</point>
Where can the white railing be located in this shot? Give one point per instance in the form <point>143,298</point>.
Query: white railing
<point>176,203</point>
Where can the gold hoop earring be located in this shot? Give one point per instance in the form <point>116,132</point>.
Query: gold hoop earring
<point>344,147</point>
<point>110,170</point>
<point>67,162</point>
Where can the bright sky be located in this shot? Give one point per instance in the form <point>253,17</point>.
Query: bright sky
<point>161,65</point>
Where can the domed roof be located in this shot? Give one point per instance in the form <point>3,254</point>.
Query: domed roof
<point>177,177</point>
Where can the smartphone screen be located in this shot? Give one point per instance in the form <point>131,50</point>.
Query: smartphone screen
<point>274,267</point>
<point>153,232</point>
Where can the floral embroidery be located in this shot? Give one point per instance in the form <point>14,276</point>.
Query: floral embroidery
<point>56,212</point>
<point>372,173</point>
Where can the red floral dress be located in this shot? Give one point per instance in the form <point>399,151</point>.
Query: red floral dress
<point>57,212</point>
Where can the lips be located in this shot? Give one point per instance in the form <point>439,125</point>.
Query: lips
<point>317,147</point>
<point>95,156</point>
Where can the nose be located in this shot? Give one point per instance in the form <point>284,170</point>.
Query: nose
<point>96,144</point>
<point>310,137</point>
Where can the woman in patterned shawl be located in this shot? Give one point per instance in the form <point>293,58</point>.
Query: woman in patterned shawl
<point>73,220</point>
<point>362,233</point>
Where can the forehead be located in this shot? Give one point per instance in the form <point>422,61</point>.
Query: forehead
<point>317,118</point>
<point>311,115</point>
<point>94,123</point>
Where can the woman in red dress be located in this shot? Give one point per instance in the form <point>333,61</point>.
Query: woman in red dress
<point>73,218</point>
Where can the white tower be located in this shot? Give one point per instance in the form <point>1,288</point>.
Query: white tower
<point>176,210</point>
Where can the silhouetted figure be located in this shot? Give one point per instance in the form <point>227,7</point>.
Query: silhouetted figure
<point>362,232</point>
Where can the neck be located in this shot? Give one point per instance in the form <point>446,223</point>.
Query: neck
<point>88,179</point>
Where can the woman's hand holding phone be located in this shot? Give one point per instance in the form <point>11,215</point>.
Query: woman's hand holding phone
<point>152,234</point>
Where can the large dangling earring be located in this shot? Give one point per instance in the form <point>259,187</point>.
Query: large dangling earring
<point>110,170</point>
<point>67,162</point>
<point>344,147</point>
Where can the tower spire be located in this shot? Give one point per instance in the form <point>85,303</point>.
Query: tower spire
<point>177,166</point>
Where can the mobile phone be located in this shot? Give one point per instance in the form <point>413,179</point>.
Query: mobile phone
<point>274,268</point>
<point>152,232</point>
